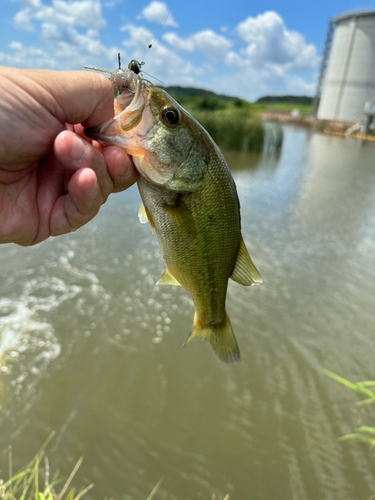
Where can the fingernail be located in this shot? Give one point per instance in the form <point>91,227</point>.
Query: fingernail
<point>78,148</point>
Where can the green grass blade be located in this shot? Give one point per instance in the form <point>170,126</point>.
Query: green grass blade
<point>70,495</point>
<point>34,475</point>
<point>357,387</point>
<point>155,489</point>
<point>37,481</point>
<point>359,437</point>
<point>365,428</point>
<point>341,380</point>
<point>25,485</point>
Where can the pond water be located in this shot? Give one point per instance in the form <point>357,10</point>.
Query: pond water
<point>91,348</point>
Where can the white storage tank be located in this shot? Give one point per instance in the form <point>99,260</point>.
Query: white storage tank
<point>350,78</point>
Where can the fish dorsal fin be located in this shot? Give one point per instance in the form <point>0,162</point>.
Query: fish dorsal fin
<point>168,279</point>
<point>145,216</point>
<point>245,272</point>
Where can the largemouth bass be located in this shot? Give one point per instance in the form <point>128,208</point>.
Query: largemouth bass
<point>190,200</point>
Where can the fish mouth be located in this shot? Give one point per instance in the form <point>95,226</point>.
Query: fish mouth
<point>129,116</point>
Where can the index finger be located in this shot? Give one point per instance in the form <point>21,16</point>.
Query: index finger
<point>71,96</point>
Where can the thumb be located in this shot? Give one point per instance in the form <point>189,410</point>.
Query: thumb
<point>77,96</point>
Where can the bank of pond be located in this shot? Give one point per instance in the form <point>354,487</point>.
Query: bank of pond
<point>231,122</point>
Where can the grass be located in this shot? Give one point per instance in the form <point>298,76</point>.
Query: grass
<point>363,433</point>
<point>233,129</point>
<point>33,481</point>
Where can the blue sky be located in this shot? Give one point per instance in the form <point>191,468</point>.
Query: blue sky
<point>235,47</point>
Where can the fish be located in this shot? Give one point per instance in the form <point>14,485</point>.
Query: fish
<point>190,200</point>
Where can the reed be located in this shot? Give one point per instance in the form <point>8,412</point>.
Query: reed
<point>233,129</point>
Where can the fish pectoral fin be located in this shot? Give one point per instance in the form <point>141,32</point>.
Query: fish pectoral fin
<point>145,216</point>
<point>182,218</point>
<point>244,272</point>
<point>168,279</point>
<point>221,338</point>
<point>142,215</point>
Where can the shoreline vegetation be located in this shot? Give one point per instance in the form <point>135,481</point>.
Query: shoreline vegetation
<point>239,125</point>
<point>34,482</point>
<point>233,123</point>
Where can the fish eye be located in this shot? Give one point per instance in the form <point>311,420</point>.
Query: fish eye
<point>170,116</point>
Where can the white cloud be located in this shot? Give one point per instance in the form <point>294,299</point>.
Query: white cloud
<point>234,59</point>
<point>138,36</point>
<point>211,45</point>
<point>23,18</point>
<point>251,82</point>
<point>26,57</point>
<point>16,46</point>
<point>269,41</point>
<point>178,43</point>
<point>70,29</point>
<point>160,61</point>
<point>85,13</point>
<point>259,56</point>
<point>158,12</point>
<point>111,3</point>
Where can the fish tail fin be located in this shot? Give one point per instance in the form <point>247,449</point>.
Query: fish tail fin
<point>221,338</point>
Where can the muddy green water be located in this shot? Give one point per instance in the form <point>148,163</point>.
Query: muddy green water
<point>91,348</point>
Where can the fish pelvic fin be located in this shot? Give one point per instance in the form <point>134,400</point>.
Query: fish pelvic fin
<point>244,272</point>
<point>168,279</point>
<point>221,338</point>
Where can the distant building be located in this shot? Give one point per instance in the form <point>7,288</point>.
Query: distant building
<point>347,76</point>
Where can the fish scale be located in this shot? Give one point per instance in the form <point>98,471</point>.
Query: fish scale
<point>204,261</point>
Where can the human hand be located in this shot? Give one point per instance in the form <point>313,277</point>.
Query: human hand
<point>53,179</point>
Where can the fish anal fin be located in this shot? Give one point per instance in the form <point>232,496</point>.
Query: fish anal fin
<point>221,338</point>
<point>145,216</point>
<point>182,217</point>
<point>244,272</point>
<point>168,279</point>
